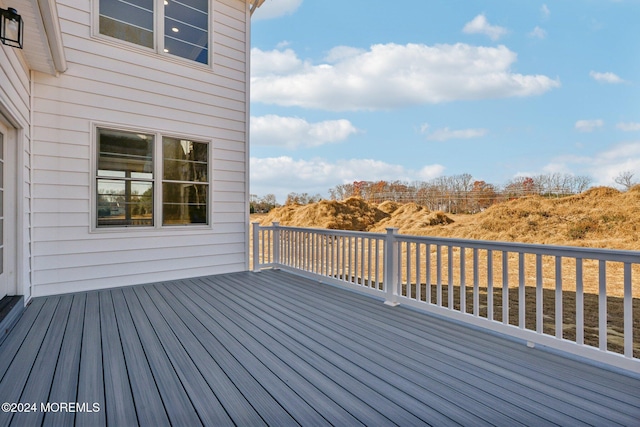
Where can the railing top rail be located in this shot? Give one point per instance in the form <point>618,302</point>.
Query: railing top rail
<point>530,248</point>
<point>617,255</point>
<point>325,231</point>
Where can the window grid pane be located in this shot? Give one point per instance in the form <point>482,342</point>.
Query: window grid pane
<point>124,179</point>
<point>130,20</point>
<point>184,204</point>
<point>186,32</point>
<point>185,188</point>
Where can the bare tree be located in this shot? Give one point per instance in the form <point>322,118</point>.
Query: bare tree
<point>263,204</point>
<point>625,179</point>
<point>302,199</point>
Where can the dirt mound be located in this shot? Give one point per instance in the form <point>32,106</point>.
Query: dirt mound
<point>412,219</point>
<point>351,214</point>
<point>601,217</point>
<point>388,206</point>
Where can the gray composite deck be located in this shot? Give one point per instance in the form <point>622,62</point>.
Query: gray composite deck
<point>272,348</point>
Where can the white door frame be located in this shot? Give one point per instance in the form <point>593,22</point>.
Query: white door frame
<point>9,277</point>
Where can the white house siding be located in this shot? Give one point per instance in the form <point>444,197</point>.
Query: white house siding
<point>109,83</point>
<point>14,108</point>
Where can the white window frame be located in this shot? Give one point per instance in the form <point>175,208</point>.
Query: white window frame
<point>158,180</point>
<point>158,35</point>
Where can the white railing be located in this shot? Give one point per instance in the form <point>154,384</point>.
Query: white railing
<point>580,300</point>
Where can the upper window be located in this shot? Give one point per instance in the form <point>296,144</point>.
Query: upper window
<point>186,29</point>
<point>126,180</point>
<point>185,25</point>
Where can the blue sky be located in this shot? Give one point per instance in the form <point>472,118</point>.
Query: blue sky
<point>411,90</point>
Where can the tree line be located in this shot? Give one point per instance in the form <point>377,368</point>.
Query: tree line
<point>451,194</point>
<point>461,193</point>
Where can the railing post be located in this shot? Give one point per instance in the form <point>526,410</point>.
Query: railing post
<point>256,247</point>
<point>276,244</point>
<point>391,267</point>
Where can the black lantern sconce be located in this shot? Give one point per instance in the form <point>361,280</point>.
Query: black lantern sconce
<point>11,28</point>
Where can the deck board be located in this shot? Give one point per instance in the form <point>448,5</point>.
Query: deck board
<point>17,375</point>
<point>486,348</point>
<point>41,376</point>
<point>311,368</point>
<point>204,400</point>
<point>119,404</point>
<point>68,365</point>
<point>177,402</point>
<point>407,367</point>
<point>91,374</point>
<point>15,339</point>
<point>296,393</point>
<point>216,341</point>
<point>272,348</point>
<point>148,402</point>
<point>232,403</point>
<point>482,357</point>
<point>369,382</point>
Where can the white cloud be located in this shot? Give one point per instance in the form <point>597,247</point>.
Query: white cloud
<point>340,53</point>
<point>283,175</point>
<point>276,8</point>
<point>294,132</point>
<point>545,11</point>
<point>274,62</point>
<point>538,33</point>
<point>606,77</point>
<point>628,127</point>
<point>391,76</point>
<point>430,172</point>
<point>446,134</point>
<point>603,166</point>
<point>588,125</point>
<point>556,168</point>
<point>283,44</point>
<point>480,25</point>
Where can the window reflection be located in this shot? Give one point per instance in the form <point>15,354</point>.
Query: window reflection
<point>186,31</point>
<point>125,179</point>
<point>185,188</point>
<point>130,20</point>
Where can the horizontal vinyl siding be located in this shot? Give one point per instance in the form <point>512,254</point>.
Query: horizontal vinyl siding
<point>162,272</point>
<point>110,84</point>
<point>15,88</point>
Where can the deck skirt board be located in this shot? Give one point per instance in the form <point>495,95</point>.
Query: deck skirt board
<point>272,348</point>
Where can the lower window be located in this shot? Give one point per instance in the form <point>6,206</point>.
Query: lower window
<point>185,183</point>
<point>127,180</point>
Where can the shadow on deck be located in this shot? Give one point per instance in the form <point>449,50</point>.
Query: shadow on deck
<point>272,348</point>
